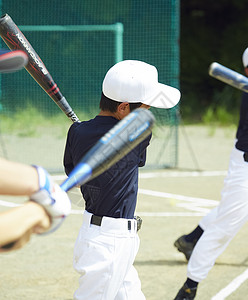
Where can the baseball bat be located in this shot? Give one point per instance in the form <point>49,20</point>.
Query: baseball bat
<point>15,39</point>
<point>113,146</point>
<point>229,76</point>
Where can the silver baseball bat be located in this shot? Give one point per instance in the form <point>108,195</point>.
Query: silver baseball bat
<point>228,76</point>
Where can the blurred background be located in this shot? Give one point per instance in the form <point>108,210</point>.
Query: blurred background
<point>181,38</point>
<point>210,31</point>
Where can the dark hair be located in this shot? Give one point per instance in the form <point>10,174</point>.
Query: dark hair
<point>133,106</point>
<point>111,105</point>
<point>108,104</point>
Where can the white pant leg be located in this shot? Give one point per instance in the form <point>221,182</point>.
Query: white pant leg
<point>232,214</point>
<point>131,287</point>
<point>208,218</point>
<point>103,255</point>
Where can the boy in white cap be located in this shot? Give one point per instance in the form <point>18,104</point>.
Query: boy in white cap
<point>215,231</point>
<point>107,243</point>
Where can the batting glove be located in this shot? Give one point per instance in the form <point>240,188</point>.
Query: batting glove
<point>52,198</point>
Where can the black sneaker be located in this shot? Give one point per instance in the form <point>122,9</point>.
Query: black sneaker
<point>185,247</point>
<point>185,293</point>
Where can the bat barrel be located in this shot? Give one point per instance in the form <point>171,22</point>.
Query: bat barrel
<point>120,140</point>
<point>15,39</point>
<point>228,76</point>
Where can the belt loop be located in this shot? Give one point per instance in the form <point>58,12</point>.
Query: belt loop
<point>129,225</point>
<point>245,156</point>
<point>139,222</point>
<point>96,220</point>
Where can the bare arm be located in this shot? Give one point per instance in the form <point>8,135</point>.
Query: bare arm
<point>17,179</point>
<point>47,210</point>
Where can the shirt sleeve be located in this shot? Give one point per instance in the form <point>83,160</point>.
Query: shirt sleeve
<point>68,162</point>
<point>143,147</point>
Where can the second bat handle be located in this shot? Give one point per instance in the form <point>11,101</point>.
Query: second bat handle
<point>64,105</point>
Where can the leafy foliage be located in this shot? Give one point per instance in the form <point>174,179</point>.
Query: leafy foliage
<point>210,31</point>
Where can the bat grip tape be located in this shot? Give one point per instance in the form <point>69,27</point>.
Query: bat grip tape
<point>64,105</point>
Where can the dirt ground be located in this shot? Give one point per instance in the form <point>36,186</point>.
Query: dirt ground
<point>43,268</point>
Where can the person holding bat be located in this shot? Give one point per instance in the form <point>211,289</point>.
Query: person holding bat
<point>48,204</point>
<point>107,242</point>
<point>46,209</point>
<point>52,204</point>
<point>215,231</point>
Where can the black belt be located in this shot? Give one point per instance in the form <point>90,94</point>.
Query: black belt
<point>97,220</point>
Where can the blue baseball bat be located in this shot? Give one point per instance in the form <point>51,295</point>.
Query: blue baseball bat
<point>113,146</point>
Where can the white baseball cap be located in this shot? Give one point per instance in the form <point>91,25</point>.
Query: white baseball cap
<point>245,58</point>
<point>136,81</point>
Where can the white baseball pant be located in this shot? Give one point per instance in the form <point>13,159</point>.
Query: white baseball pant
<point>104,257</point>
<point>222,223</point>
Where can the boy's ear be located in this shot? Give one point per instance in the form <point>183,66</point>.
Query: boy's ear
<point>123,108</point>
<point>246,71</point>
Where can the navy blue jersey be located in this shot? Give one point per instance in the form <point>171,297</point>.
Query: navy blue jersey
<point>114,192</point>
<point>242,132</point>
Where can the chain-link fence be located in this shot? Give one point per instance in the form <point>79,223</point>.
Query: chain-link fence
<point>78,41</point>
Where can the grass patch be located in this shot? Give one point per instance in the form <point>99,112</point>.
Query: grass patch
<point>30,122</point>
<point>219,117</point>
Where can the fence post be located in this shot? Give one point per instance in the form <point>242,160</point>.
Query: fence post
<point>119,42</point>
